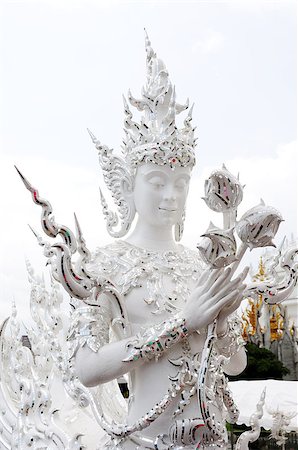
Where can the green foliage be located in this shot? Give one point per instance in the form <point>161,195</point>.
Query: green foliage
<point>261,364</point>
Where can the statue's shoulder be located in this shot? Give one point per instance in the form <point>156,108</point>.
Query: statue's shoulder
<point>112,249</point>
<point>109,259</point>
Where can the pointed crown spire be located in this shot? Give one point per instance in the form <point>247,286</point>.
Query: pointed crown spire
<point>156,137</point>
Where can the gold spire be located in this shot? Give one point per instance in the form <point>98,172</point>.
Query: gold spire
<point>261,267</point>
<point>261,275</point>
<point>276,324</point>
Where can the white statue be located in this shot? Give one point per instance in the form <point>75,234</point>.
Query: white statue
<point>281,420</point>
<point>169,300</point>
<point>153,310</point>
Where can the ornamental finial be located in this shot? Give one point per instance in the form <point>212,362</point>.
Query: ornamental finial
<point>155,137</point>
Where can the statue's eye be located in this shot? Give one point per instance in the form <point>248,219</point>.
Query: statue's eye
<point>157,182</point>
<point>181,184</point>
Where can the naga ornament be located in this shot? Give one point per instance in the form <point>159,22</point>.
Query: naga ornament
<point>253,434</point>
<point>80,284</point>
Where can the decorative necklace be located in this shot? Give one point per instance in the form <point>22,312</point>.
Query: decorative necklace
<point>166,275</point>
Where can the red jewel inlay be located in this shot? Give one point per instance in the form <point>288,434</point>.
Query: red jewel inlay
<point>173,160</point>
<point>34,193</point>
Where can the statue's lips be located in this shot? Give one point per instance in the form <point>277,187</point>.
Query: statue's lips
<point>167,209</point>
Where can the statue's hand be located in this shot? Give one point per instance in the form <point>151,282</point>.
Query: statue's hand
<point>215,292</point>
<point>228,309</point>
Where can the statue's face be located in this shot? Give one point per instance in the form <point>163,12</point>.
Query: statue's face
<point>160,193</point>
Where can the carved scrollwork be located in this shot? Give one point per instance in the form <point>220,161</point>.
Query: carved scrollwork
<point>118,179</point>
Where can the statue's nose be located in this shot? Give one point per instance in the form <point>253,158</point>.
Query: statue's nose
<point>170,194</point>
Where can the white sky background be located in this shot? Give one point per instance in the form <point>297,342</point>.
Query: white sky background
<point>64,67</point>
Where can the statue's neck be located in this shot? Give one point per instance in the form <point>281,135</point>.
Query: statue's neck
<point>153,238</point>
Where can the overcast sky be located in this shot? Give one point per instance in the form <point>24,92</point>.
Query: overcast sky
<point>64,67</point>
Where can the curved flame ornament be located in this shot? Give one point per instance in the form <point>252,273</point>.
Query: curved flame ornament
<point>28,419</point>
<point>274,292</point>
<point>49,226</point>
<point>77,286</point>
<point>80,285</point>
<point>253,434</point>
<point>117,177</point>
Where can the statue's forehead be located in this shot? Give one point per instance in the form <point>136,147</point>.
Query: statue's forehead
<point>155,169</point>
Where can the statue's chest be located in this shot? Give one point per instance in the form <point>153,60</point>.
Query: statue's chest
<point>153,284</point>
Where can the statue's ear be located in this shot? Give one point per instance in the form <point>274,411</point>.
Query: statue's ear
<point>122,193</point>
<point>126,186</point>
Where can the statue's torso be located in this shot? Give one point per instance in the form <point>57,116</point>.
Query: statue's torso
<point>154,286</point>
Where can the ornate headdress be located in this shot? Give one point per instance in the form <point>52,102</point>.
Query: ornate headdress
<point>154,139</point>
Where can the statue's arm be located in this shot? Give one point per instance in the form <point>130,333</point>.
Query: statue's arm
<point>104,365</point>
<point>103,361</point>
<point>97,360</point>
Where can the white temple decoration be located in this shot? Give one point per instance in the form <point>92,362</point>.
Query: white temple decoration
<point>100,285</point>
<point>253,434</point>
<point>281,420</point>
<point>223,191</point>
<point>156,138</point>
<point>273,326</point>
<point>218,248</point>
<point>258,226</point>
<point>32,376</point>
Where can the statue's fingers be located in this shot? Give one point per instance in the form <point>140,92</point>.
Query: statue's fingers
<point>207,280</point>
<point>228,287</point>
<point>215,284</point>
<point>203,277</point>
<point>235,304</point>
<point>239,300</point>
<point>242,274</point>
<point>228,298</point>
<point>240,278</point>
<point>213,276</point>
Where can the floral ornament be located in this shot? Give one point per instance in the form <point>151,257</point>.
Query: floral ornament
<point>218,247</point>
<point>259,225</point>
<point>223,191</point>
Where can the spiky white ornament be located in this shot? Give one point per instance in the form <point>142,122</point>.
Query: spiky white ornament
<point>218,247</point>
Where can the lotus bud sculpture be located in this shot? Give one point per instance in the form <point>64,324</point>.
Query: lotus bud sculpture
<point>259,225</point>
<point>218,247</point>
<point>256,228</point>
<point>223,191</point>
